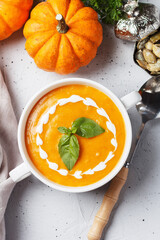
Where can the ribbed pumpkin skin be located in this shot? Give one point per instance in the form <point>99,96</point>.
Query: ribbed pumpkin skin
<point>62,53</point>
<point>13,14</point>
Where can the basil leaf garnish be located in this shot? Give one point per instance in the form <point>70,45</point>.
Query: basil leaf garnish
<point>64,130</point>
<point>69,150</point>
<point>87,128</point>
<point>68,146</point>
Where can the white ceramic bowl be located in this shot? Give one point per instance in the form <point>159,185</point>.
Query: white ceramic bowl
<point>26,168</point>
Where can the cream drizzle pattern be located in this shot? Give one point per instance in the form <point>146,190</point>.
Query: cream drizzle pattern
<point>44,120</point>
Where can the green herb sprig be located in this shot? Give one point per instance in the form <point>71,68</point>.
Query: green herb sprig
<point>68,145</point>
<point>110,11</point>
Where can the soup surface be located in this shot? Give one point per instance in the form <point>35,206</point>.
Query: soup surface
<point>98,155</point>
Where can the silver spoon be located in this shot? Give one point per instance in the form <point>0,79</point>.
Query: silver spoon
<point>149,109</point>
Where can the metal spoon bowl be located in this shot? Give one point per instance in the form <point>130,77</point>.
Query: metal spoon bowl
<point>149,107</point>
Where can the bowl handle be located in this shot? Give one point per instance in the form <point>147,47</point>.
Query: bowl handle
<point>19,173</point>
<point>131,99</point>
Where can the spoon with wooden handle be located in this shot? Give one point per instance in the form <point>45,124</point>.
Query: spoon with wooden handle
<point>149,108</point>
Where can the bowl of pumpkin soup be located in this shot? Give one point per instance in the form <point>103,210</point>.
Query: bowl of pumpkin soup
<point>74,135</point>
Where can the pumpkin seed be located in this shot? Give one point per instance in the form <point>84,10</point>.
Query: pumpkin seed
<point>149,45</point>
<point>139,55</point>
<point>149,56</point>
<point>142,64</point>
<point>154,67</point>
<point>155,38</point>
<point>156,50</point>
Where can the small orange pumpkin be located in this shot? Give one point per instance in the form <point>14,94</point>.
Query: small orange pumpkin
<point>62,35</point>
<point>13,14</point>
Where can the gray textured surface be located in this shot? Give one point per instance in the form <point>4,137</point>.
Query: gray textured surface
<point>36,211</point>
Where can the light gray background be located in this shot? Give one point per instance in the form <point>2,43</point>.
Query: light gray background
<point>37,212</point>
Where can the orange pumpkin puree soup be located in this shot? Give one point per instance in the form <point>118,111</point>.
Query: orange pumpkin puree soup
<point>97,155</point>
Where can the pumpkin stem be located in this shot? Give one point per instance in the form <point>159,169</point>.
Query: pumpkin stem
<point>62,27</point>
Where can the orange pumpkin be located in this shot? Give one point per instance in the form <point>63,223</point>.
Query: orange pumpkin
<point>62,35</point>
<point>13,14</point>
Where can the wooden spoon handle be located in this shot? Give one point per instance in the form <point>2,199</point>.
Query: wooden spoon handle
<point>109,200</point>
